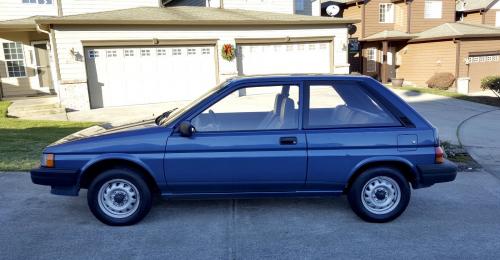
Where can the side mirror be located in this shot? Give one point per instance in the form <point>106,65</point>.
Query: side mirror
<point>186,129</point>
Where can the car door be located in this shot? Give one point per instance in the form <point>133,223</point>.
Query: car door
<point>345,124</point>
<point>249,140</point>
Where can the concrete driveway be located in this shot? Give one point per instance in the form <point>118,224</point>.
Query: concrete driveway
<point>457,220</point>
<point>473,125</point>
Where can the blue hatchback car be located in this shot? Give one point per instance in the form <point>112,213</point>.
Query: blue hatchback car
<point>295,135</point>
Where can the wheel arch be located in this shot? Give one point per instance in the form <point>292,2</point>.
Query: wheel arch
<point>95,167</point>
<point>406,167</point>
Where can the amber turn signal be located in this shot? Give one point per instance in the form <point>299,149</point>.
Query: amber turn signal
<point>439,155</point>
<point>48,160</point>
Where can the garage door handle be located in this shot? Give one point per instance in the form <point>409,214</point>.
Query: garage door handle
<point>288,140</point>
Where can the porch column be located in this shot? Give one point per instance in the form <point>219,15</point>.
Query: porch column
<point>385,68</point>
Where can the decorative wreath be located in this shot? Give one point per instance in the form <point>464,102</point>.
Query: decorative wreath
<point>228,52</point>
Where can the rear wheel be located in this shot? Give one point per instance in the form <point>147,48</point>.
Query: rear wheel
<point>119,197</point>
<point>379,194</point>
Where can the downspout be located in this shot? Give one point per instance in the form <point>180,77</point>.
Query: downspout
<point>408,19</point>
<point>1,89</point>
<point>457,61</point>
<point>59,8</point>
<point>40,30</point>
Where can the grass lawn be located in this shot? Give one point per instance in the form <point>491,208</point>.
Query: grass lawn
<point>492,101</point>
<point>22,141</point>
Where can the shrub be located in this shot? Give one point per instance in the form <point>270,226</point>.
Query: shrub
<point>491,83</point>
<point>443,80</point>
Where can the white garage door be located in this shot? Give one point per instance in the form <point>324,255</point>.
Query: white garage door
<point>257,59</point>
<point>119,76</point>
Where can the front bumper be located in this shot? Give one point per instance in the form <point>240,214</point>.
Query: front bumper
<point>436,173</point>
<point>62,182</point>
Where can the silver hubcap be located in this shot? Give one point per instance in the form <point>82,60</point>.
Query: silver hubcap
<point>381,195</point>
<point>118,198</point>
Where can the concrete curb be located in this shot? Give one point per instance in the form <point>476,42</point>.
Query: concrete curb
<point>460,134</point>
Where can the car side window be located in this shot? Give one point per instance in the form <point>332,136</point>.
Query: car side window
<point>345,104</point>
<point>252,108</point>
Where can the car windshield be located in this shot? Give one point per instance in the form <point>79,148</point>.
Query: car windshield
<point>179,112</point>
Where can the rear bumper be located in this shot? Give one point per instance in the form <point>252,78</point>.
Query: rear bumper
<point>62,182</point>
<point>436,173</point>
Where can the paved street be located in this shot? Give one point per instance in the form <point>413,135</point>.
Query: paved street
<point>457,220</point>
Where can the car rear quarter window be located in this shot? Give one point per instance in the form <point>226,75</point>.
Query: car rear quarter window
<point>345,104</point>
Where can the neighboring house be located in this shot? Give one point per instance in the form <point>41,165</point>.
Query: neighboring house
<point>304,7</point>
<point>414,39</point>
<point>479,11</point>
<point>151,54</point>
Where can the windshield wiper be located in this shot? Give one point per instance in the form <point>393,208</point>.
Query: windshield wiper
<point>160,118</point>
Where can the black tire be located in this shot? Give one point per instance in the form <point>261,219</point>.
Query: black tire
<point>141,188</point>
<point>363,210</point>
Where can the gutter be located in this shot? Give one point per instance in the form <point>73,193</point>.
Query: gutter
<point>40,30</point>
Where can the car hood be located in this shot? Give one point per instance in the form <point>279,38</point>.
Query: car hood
<point>105,129</point>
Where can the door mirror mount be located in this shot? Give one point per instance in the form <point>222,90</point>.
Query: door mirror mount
<point>186,129</point>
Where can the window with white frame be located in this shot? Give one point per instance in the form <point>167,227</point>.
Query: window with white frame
<point>145,52</point>
<point>14,58</point>
<point>128,53</point>
<point>498,19</point>
<point>371,57</point>
<point>176,52</point>
<point>111,54</point>
<point>161,52</point>
<point>93,54</point>
<point>386,13</point>
<point>40,2</point>
<point>205,51</point>
<point>191,51</point>
<point>433,9</point>
<point>299,5</point>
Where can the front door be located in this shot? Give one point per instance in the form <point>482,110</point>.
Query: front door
<point>43,65</point>
<point>249,140</point>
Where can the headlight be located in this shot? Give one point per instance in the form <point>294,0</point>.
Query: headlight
<point>48,160</point>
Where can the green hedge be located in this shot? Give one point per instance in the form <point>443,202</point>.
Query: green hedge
<point>491,83</point>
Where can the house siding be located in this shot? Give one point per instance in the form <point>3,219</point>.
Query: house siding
<point>491,14</point>
<point>15,9</point>
<point>372,24</point>
<point>419,61</point>
<point>276,6</point>
<point>401,17</point>
<point>475,18</point>
<point>354,12</point>
<point>475,45</point>
<point>419,24</point>
<point>71,7</point>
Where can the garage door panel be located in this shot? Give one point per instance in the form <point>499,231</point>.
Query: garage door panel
<point>120,76</point>
<point>480,67</point>
<point>256,59</point>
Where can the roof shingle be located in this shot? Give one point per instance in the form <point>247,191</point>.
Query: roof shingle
<point>457,30</point>
<point>192,16</point>
<point>473,5</point>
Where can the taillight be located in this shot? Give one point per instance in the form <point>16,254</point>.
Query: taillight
<point>439,155</point>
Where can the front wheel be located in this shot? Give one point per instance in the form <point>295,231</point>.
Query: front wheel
<point>379,194</point>
<point>119,197</point>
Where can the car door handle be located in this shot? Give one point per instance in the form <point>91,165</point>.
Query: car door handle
<point>291,140</point>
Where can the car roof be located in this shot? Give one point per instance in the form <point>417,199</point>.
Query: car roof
<point>288,77</point>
